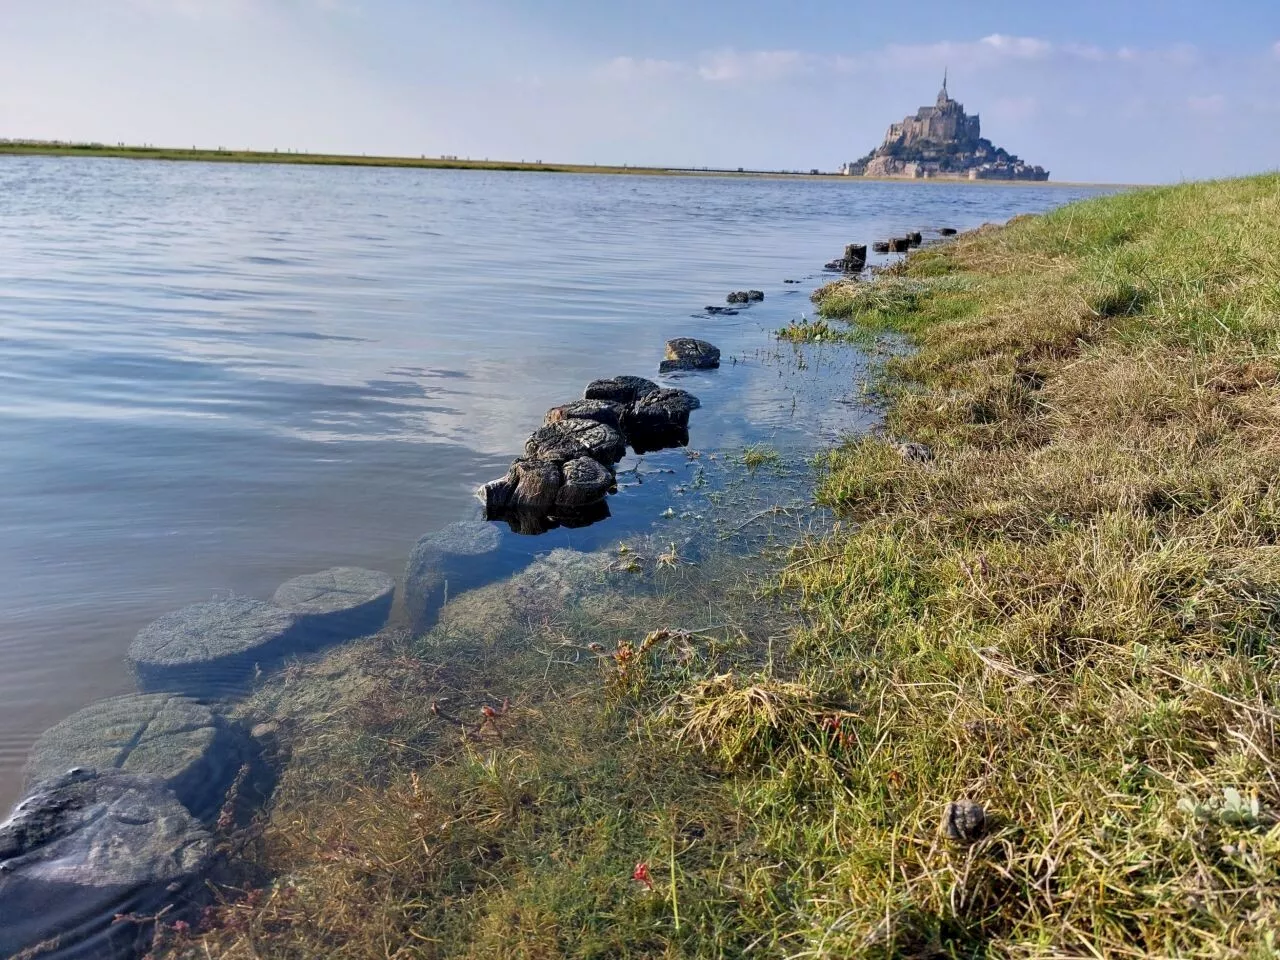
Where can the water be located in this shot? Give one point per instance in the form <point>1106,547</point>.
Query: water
<point>216,377</point>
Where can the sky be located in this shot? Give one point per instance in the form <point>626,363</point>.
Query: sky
<point>1130,91</point>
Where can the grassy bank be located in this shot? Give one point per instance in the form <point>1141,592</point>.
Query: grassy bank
<point>1065,617</point>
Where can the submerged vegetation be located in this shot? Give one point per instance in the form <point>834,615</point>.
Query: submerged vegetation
<point>1022,701</point>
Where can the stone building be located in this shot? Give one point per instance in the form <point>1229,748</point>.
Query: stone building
<point>945,142</point>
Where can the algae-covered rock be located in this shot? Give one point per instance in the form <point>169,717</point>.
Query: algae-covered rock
<point>338,604</point>
<point>454,557</point>
<point>686,353</point>
<point>180,741</point>
<point>87,847</point>
<point>212,646</point>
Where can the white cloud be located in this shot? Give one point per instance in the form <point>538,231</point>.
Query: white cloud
<point>1021,48</point>
<point>730,65</point>
<point>640,68</point>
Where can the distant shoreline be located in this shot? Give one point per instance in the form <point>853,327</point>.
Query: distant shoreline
<point>177,154</point>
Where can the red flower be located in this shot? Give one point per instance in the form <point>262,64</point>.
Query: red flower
<point>641,873</point>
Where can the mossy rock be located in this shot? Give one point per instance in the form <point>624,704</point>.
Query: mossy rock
<point>452,559</point>
<point>338,604</point>
<point>213,647</point>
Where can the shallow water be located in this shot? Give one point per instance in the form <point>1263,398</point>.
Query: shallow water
<point>214,378</point>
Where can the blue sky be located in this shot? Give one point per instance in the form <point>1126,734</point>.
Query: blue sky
<point>1112,91</point>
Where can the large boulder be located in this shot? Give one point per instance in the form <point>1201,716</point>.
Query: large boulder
<point>586,481</point>
<point>447,561</point>
<point>180,741</point>
<point>661,420</point>
<point>686,353</point>
<point>214,646</point>
<point>538,483</point>
<point>338,604</point>
<point>567,440</point>
<point>624,390</point>
<point>601,411</point>
<point>88,847</point>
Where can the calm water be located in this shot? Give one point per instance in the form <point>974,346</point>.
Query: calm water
<point>214,378</point>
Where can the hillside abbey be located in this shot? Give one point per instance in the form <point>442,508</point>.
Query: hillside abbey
<point>943,142</point>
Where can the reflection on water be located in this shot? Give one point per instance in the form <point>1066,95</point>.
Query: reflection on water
<point>214,378</point>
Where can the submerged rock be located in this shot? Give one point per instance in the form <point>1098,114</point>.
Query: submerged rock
<point>209,646</point>
<point>566,440</point>
<point>87,847</point>
<point>624,390</point>
<point>338,604</point>
<point>180,741</point>
<point>721,311</point>
<point>453,558</point>
<point>947,231</point>
<point>686,353</point>
<point>601,411</point>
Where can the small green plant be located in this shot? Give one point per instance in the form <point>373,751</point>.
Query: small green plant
<point>759,455</point>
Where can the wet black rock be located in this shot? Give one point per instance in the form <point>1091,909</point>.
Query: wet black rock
<point>586,481</point>
<point>947,231</point>
<point>212,646</point>
<point>624,390</point>
<point>566,440</point>
<point>755,296</point>
<point>88,846</point>
<point>537,484</point>
<point>881,246</point>
<point>899,245</point>
<point>454,559</point>
<point>739,296</point>
<point>685,353</point>
<point>338,604</point>
<point>721,311</point>
<point>853,261</point>
<point>189,748</point>
<point>661,411</point>
<point>915,238</point>
<point>790,281</point>
<point>601,411</point>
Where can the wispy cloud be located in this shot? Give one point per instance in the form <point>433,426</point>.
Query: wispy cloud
<point>729,66</point>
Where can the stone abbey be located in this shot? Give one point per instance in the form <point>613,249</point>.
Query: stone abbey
<point>942,141</point>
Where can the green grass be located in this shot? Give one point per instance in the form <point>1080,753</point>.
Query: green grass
<point>1067,616</point>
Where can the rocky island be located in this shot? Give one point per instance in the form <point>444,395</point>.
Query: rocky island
<point>943,142</point>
